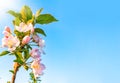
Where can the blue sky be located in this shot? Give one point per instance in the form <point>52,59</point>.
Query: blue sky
<point>82,47</point>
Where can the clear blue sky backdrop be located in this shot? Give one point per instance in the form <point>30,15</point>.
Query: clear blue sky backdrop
<point>83,47</point>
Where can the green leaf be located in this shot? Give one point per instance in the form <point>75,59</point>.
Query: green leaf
<point>17,33</point>
<point>8,81</point>
<point>19,54</point>
<point>11,71</point>
<point>39,80</point>
<point>17,21</point>
<point>26,13</point>
<point>25,67</point>
<point>19,61</point>
<point>31,20</point>
<point>20,35</point>
<point>4,53</point>
<point>32,76</point>
<point>26,33</point>
<point>45,19</point>
<point>26,54</point>
<point>15,14</point>
<point>40,31</point>
<point>28,47</point>
<point>12,53</point>
<point>38,12</point>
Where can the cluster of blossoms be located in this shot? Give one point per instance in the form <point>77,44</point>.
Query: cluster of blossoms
<point>9,40</point>
<point>36,65</point>
<point>13,42</point>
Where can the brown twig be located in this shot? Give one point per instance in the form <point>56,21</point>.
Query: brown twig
<point>16,67</point>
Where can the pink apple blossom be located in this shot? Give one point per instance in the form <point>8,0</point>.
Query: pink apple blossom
<point>26,40</point>
<point>35,53</point>
<point>37,68</point>
<point>25,27</point>
<point>41,43</point>
<point>11,42</point>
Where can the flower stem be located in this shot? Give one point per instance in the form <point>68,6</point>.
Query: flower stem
<point>35,81</point>
<point>16,67</point>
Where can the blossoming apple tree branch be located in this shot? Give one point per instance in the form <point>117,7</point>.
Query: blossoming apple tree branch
<point>19,41</point>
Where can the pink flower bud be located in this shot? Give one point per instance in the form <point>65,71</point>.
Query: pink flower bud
<point>7,29</point>
<point>36,38</point>
<point>25,40</point>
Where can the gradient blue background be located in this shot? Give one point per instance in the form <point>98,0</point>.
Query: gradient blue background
<point>83,47</point>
